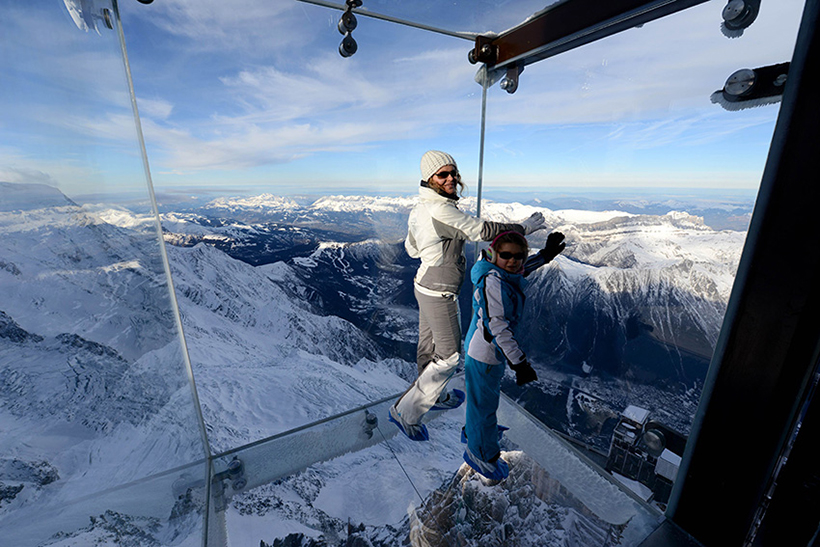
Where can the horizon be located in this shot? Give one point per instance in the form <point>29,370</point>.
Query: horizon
<point>173,196</point>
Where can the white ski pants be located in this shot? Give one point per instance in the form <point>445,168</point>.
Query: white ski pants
<point>437,354</point>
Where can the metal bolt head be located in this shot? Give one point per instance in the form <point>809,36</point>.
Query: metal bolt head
<point>733,10</point>
<point>740,82</point>
<point>509,85</point>
<point>348,46</point>
<point>347,23</point>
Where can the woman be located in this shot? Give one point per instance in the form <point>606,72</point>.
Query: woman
<point>436,233</point>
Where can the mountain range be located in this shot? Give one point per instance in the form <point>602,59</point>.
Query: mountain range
<point>295,312</point>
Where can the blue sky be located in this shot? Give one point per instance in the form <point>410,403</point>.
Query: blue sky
<point>251,96</point>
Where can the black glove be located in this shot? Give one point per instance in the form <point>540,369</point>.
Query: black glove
<point>524,373</point>
<point>553,247</point>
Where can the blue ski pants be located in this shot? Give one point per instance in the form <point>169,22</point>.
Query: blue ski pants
<point>483,394</point>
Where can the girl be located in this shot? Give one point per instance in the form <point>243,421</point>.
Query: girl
<point>498,303</point>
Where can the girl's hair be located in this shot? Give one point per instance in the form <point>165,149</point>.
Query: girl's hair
<point>460,186</point>
<point>510,237</point>
<point>507,237</point>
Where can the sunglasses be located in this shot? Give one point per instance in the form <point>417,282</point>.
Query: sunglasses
<point>506,255</point>
<point>445,174</point>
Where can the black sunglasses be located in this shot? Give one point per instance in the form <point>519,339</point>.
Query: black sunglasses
<point>506,255</point>
<point>445,174</point>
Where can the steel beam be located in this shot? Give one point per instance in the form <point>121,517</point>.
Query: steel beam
<point>768,347</point>
<point>567,25</point>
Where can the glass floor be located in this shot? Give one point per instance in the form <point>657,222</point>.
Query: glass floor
<point>366,481</point>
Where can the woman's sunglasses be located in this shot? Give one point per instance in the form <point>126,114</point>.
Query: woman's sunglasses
<point>506,255</point>
<point>445,174</point>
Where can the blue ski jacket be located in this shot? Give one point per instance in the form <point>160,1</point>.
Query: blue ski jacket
<point>498,304</point>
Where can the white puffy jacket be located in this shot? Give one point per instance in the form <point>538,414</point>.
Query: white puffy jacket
<point>436,232</point>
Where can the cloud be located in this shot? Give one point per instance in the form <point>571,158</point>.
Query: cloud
<point>694,130</point>
<point>238,85</point>
<point>18,166</point>
<point>216,25</point>
<point>26,175</point>
<point>331,104</point>
<point>155,108</point>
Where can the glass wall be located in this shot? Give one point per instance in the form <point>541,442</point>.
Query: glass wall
<point>285,175</point>
<point>270,231</point>
<point>623,148</point>
<point>97,412</point>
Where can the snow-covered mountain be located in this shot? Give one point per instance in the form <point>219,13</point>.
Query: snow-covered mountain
<point>265,361</point>
<point>356,216</point>
<point>296,312</point>
<point>624,261</point>
<point>628,314</point>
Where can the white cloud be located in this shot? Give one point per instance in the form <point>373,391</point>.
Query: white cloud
<point>210,25</point>
<point>330,104</point>
<point>19,167</point>
<point>155,108</point>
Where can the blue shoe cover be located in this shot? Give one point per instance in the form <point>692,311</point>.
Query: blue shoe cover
<point>494,471</point>
<point>413,432</point>
<point>501,430</point>
<point>456,398</point>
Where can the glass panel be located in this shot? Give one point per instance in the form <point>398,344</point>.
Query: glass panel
<point>621,148</point>
<point>97,413</point>
<point>286,236</point>
<point>389,490</point>
<point>285,177</point>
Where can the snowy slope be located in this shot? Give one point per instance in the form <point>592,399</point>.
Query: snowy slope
<point>85,342</point>
<point>77,381</point>
<point>264,362</point>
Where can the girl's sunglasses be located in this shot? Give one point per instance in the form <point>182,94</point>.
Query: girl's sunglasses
<point>445,174</point>
<point>506,255</point>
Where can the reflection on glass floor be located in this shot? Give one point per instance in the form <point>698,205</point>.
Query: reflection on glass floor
<point>388,490</point>
<point>352,480</point>
<point>149,511</point>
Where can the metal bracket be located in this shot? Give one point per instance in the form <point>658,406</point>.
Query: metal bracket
<point>347,24</point>
<point>483,52</point>
<point>510,81</point>
<point>738,15</point>
<point>747,87</point>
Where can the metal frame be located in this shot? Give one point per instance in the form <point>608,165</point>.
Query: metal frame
<point>769,344</point>
<point>567,25</point>
<point>770,341</point>
<point>363,11</point>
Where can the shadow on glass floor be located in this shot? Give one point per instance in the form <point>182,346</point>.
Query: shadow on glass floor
<point>351,480</point>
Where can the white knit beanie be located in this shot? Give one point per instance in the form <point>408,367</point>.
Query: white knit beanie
<point>432,161</point>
